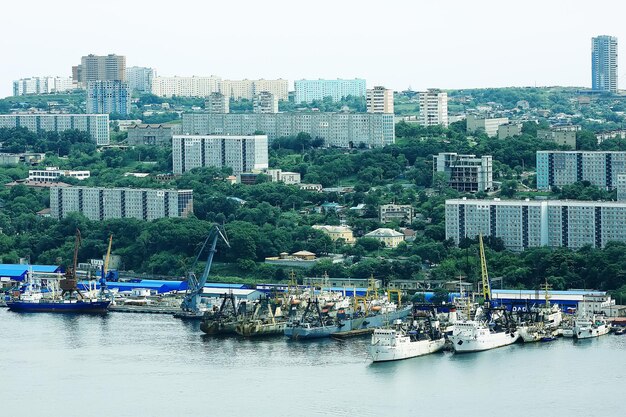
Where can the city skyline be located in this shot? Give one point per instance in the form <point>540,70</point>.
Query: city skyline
<point>490,53</point>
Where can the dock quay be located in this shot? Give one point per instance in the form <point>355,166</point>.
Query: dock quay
<point>143,309</point>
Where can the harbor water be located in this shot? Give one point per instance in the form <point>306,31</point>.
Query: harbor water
<point>154,365</point>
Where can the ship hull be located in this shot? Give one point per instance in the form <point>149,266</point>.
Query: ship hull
<point>367,322</point>
<point>95,307</point>
<point>218,327</point>
<point>405,350</point>
<point>588,333</point>
<point>463,344</point>
<point>258,329</point>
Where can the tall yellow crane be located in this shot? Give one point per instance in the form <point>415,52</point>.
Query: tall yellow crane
<point>483,270</point>
<point>105,267</point>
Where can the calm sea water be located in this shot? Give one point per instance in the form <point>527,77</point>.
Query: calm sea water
<point>153,365</point>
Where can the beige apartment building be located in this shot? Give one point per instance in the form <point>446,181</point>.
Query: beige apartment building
<point>379,100</point>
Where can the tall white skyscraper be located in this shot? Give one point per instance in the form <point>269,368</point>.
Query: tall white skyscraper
<point>604,63</point>
<point>433,108</point>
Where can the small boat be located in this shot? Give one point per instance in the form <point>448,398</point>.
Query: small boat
<point>620,331</point>
<point>547,339</point>
<point>588,326</point>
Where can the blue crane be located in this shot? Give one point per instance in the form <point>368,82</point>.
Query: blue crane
<point>195,285</point>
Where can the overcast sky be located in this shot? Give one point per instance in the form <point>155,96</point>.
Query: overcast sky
<point>417,43</point>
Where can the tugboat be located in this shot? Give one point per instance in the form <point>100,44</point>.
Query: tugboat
<point>71,300</point>
<point>491,327</point>
<point>421,336</point>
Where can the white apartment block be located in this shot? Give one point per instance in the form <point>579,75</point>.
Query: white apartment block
<point>343,130</point>
<point>246,89</point>
<point>53,174</point>
<point>264,103</point>
<point>489,125</point>
<point>523,223</point>
<point>396,212</point>
<point>140,78</point>
<point>465,173</point>
<point>559,168</point>
<point>289,178</point>
<point>96,125</point>
<point>379,100</point>
<point>241,153</point>
<point>99,203</point>
<point>43,85</point>
<point>433,108</point>
<point>309,90</point>
<point>185,86</point>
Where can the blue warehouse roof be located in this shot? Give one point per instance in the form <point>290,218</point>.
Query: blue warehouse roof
<point>17,272</point>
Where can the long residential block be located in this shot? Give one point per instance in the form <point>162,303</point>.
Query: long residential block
<point>99,203</point>
<point>559,168</point>
<point>524,224</point>
<point>307,91</point>
<point>241,153</point>
<point>96,125</point>
<point>341,130</point>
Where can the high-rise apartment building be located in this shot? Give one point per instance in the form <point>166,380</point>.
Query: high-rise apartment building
<point>524,224</point>
<point>433,108</point>
<point>310,90</point>
<point>465,173</point>
<point>489,125</point>
<point>247,89</point>
<point>99,203</point>
<point>264,103</point>
<point>100,68</point>
<point>241,153</point>
<point>217,103</point>
<point>343,130</point>
<point>604,63</point>
<point>559,168</point>
<point>96,125</point>
<point>185,86</point>
<point>380,100</point>
<point>43,85</point>
<point>140,79</point>
<point>108,97</point>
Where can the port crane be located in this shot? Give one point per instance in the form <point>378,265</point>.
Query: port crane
<point>194,284</point>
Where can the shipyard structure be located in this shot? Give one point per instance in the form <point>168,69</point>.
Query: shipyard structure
<point>342,130</point>
<point>523,224</point>
<point>99,203</point>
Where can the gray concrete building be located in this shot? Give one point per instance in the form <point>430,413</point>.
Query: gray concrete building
<point>99,203</point>
<point>140,79</point>
<point>563,137</point>
<point>265,102</point>
<point>621,187</point>
<point>402,213</point>
<point>100,68</point>
<point>341,130</point>
<point>508,130</point>
<point>604,71</point>
<point>96,125</point>
<point>241,153</point>
<point>108,97</point>
<point>465,173</point>
<point>524,223</point>
<point>489,125</point>
<point>217,103</point>
<point>559,168</point>
<point>150,135</point>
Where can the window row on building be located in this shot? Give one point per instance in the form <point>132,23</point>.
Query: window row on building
<point>96,125</point>
<point>523,224</point>
<point>559,168</point>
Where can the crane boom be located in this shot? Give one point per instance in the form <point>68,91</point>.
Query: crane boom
<point>190,302</point>
<point>483,270</point>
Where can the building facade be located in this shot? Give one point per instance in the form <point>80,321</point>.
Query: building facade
<point>621,187</point>
<point>246,89</point>
<point>265,102</point>
<point>289,178</point>
<point>100,68</point>
<point>99,203</point>
<point>508,130</point>
<point>241,153</point>
<point>53,174</point>
<point>433,108</point>
<point>338,233</point>
<point>489,125</point>
<point>604,63</point>
<point>150,135</point>
<point>563,136</point>
<point>379,100</point>
<point>402,213</point>
<point>523,223</point>
<point>389,237</point>
<point>96,125</point>
<point>465,173</point>
<point>342,130</point>
<point>217,103</point>
<point>140,79</point>
<point>307,91</point>
<point>108,97</point>
<point>559,168</point>
<point>185,86</point>
<point>43,85</point>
